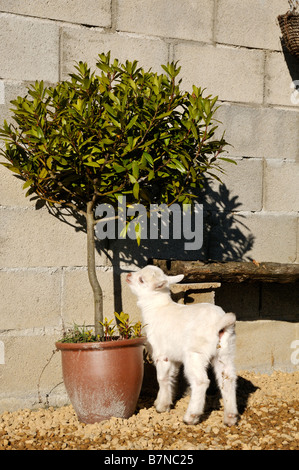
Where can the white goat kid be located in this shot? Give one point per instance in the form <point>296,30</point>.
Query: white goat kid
<point>194,335</point>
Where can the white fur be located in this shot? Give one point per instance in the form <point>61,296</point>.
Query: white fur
<point>194,335</point>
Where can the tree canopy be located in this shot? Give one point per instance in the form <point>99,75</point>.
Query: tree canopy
<point>116,130</point>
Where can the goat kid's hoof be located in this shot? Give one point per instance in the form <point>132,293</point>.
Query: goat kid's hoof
<point>191,419</point>
<point>162,408</point>
<point>231,419</point>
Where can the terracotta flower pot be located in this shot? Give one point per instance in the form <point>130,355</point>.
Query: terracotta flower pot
<point>103,379</point>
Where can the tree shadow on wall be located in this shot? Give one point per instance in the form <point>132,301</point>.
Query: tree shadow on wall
<point>225,237</point>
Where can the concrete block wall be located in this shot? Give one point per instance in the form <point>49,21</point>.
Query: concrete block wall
<point>230,47</point>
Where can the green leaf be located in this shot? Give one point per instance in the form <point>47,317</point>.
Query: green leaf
<point>177,165</point>
<point>136,190</point>
<point>207,107</point>
<point>39,133</point>
<point>227,160</point>
<point>29,192</point>
<point>148,158</point>
<point>151,175</point>
<point>27,184</point>
<point>11,167</point>
<point>49,162</point>
<point>138,233</point>
<point>214,176</point>
<point>27,107</point>
<point>135,170</point>
<point>163,115</point>
<point>115,122</point>
<point>194,131</point>
<point>79,106</point>
<point>132,84</point>
<point>60,160</point>
<point>114,98</point>
<point>105,141</point>
<point>132,179</point>
<point>110,109</point>
<point>193,174</point>
<point>132,122</point>
<point>118,168</point>
<point>124,231</point>
<point>94,164</point>
<point>43,173</point>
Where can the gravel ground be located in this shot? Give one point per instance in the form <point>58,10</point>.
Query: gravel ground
<point>269,417</point>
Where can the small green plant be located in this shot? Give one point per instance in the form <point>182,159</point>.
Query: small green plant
<point>108,329</point>
<point>78,334</point>
<point>127,330</point>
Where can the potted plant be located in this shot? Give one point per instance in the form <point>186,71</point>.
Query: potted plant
<point>97,136</point>
<point>103,376</point>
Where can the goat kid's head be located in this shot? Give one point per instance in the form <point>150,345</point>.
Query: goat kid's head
<point>151,280</point>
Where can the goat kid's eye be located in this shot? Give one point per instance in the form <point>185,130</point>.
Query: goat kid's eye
<point>141,280</point>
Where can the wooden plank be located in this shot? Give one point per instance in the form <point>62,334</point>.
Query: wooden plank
<point>231,271</point>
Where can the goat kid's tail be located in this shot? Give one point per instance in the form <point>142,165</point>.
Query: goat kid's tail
<point>229,319</point>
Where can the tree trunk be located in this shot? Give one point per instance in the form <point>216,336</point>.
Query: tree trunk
<point>92,275</point>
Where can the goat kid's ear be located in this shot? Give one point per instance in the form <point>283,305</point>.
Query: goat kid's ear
<point>175,279</point>
<point>160,285</point>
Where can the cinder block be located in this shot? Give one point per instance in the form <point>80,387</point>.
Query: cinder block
<point>280,301</point>
<point>25,358</point>
<point>242,299</point>
<point>129,300</point>
<point>250,24</point>
<point>86,44</point>
<point>77,296</point>
<point>29,48</point>
<point>263,236</point>
<point>126,253</point>
<point>194,292</point>
<point>260,132</point>
<point>281,79</point>
<point>244,183</point>
<point>274,236</point>
<point>232,74</point>
<point>228,236</point>
<point>263,346</point>
<point>31,238</point>
<point>281,186</point>
<point>30,298</point>
<point>200,296</point>
<point>9,90</point>
<point>94,13</point>
<point>191,20</point>
<point>11,192</point>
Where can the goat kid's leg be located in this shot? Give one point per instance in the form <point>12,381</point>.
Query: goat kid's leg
<point>224,368</point>
<point>195,370</point>
<point>166,374</point>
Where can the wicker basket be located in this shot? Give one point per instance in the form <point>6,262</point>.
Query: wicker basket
<point>289,25</point>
